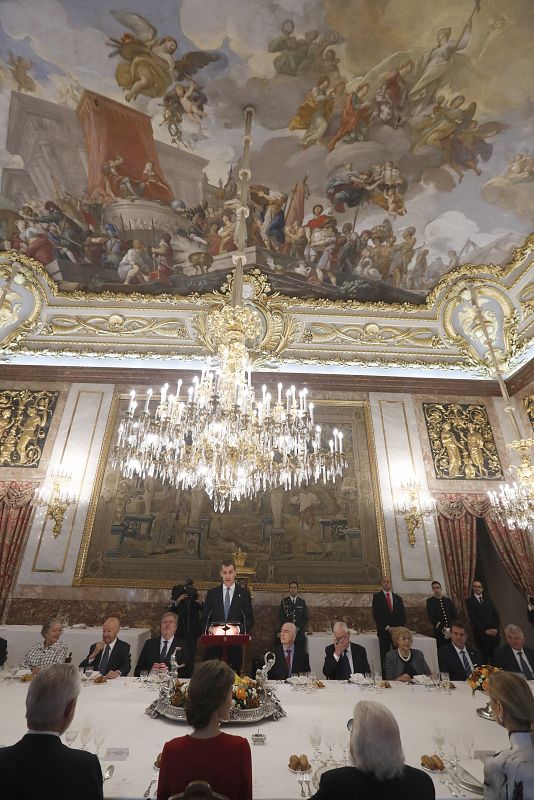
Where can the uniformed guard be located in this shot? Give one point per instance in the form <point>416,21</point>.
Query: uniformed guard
<point>294,609</point>
<point>441,612</point>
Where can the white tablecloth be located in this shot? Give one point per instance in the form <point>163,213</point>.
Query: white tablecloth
<point>119,706</point>
<point>318,641</point>
<point>21,637</point>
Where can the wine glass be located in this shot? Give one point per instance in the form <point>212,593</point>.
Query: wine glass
<point>99,736</point>
<point>144,675</point>
<point>468,741</point>
<point>445,682</point>
<point>330,740</point>
<point>377,677</point>
<point>344,742</point>
<point>71,734</point>
<point>438,737</point>
<point>315,740</point>
<point>85,733</point>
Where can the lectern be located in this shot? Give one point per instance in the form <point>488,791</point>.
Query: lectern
<point>225,635</point>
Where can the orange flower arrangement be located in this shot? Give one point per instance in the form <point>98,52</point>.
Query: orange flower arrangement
<point>478,680</point>
<point>245,693</point>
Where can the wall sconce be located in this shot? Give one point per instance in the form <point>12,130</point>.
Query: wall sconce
<point>413,503</point>
<point>56,496</point>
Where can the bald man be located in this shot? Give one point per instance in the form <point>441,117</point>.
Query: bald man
<point>111,656</point>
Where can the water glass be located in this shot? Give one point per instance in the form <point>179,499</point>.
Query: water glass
<point>468,741</point>
<point>99,736</point>
<point>315,741</point>
<point>85,733</point>
<point>144,675</point>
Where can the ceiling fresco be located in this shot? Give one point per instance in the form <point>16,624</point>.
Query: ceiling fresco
<point>391,141</point>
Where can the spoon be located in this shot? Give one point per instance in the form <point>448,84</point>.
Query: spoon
<point>109,772</point>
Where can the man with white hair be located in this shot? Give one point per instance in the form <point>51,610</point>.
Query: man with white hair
<point>514,656</point>
<point>344,658</point>
<point>290,657</point>
<point>40,766</point>
<point>111,656</point>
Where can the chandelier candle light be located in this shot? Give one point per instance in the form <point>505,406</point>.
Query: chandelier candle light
<point>218,436</point>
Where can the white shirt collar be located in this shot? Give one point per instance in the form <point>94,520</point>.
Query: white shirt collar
<point>232,587</point>
<point>45,733</point>
<point>111,646</point>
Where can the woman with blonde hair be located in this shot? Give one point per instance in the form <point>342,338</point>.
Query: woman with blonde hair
<point>510,774</point>
<point>379,770</point>
<point>207,754</point>
<point>404,663</point>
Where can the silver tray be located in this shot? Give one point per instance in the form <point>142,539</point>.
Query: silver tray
<point>242,715</point>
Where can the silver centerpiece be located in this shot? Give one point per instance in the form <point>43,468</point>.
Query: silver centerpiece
<point>269,703</point>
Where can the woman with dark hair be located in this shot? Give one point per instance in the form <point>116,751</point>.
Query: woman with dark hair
<point>207,754</point>
<point>510,773</point>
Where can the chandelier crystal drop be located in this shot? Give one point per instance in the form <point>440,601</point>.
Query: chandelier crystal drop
<point>219,436</point>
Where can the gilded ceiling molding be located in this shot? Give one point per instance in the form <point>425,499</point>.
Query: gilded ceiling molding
<point>22,302</point>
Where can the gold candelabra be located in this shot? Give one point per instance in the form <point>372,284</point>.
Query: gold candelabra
<point>413,503</point>
<point>56,497</point>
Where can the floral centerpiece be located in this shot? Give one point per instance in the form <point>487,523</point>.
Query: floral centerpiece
<point>245,693</point>
<point>478,680</point>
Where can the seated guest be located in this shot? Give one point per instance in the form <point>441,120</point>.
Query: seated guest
<point>208,754</point>
<point>291,658</point>
<point>40,766</point>
<point>509,775</point>
<point>514,656</point>
<point>405,662</point>
<point>156,652</point>
<point>50,650</point>
<point>456,658</point>
<point>3,651</point>
<point>111,657</point>
<point>343,658</point>
<point>379,770</point>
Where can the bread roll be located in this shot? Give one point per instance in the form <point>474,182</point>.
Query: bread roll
<point>438,763</point>
<point>293,762</point>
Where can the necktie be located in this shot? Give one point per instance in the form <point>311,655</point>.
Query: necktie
<point>103,666</point>
<point>480,599</point>
<point>345,666</point>
<point>227,603</point>
<point>466,662</point>
<point>163,654</point>
<point>525,669</point>
<point>288,662</point>
<point>390,601</point>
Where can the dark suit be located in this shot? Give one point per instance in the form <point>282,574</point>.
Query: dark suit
<point>332,669</point>
<point>240,613</point>
<point>301,662</point>
<point>484,615</point>
<point>150,655</point>
<point>119,660</point>
<point>3,651</point>
<point>449,661</point>
<point>346,782</point>
<point>441,612</point>
<point>41,767</point>
<point>504,658</point>
<point>297,613</point>
<point>383,618</point>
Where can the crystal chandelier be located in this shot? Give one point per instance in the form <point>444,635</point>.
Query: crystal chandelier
<point>219,436</point>
<point>513,504</point>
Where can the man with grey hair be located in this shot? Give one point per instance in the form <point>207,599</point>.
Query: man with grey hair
<point>40,766</point>
<point>514,656</point>
<point>156,652</point>
<point>343,658</point>
<point>290,657</point>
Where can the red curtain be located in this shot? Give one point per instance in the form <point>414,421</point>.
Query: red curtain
<point>15,513</point>
<point>457,532</point>
<point>516,554</point>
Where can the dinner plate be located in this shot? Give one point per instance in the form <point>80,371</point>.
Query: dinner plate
<point>298,771</point>
<point>466,781</point>
<point>316,777</point>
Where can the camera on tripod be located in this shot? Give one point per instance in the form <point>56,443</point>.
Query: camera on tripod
<point>186,588</point>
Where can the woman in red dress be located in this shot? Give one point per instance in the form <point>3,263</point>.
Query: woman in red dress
<point>207,754</point>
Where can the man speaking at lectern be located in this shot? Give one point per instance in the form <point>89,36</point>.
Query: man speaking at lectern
<point>228,603</point>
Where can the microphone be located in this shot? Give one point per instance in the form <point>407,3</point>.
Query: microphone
<point>208,621</point>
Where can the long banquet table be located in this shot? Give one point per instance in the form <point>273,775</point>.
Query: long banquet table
<point>21,637</point>
<point>119,707</point>
<point>318,641</point>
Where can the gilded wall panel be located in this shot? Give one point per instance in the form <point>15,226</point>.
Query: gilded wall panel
<point>25,417</point>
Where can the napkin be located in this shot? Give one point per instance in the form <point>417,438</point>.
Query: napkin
<point>474,768</point>
<point>423,680</point>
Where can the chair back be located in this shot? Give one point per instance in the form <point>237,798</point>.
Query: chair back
<point>198,790</point>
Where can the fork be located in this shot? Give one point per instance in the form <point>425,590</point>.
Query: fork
<point>306,777</point>
<point>300,780</point>
<point>458,787</point>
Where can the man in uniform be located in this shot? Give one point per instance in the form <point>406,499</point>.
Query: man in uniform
<point>294,609</point>
<point>441,612</point>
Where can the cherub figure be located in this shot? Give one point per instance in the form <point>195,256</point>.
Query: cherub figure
<point>19,68</point>
<point>150,68</point>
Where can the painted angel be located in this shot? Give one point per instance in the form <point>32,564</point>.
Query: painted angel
<point>149,66</point>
